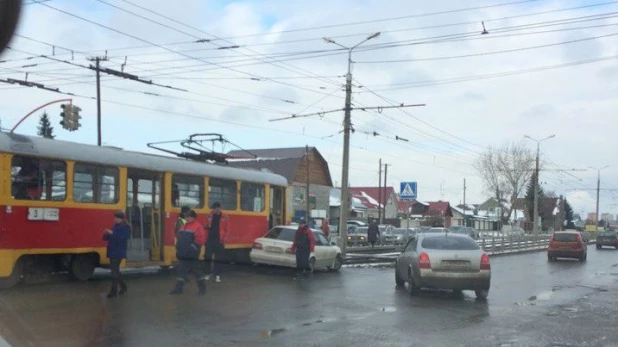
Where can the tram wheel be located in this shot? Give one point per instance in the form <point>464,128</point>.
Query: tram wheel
<point>14,278</point>
<point>82,266</point>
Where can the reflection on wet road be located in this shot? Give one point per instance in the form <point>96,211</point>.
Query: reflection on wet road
<point>531,303</point>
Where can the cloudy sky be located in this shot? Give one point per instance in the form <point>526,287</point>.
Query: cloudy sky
<point>545,67</point>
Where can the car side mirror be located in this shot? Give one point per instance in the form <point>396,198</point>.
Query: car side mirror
<point>333,243</point>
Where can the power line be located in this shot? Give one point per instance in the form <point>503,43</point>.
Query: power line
<point>488,53</point>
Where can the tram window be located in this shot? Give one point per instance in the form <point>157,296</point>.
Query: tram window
<point>187,191</point>
<point>224,192</point>
<point>252,197</point>
<point>38,179</point>
<point>95,184</point>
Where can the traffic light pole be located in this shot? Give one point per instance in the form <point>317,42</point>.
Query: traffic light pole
<point>38,108</point>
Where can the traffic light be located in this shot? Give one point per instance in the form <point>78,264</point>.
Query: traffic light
<point>70,117</point>
<point>65,114</point>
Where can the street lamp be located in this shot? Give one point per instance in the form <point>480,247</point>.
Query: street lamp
<point>535,229</point>
<point>345,202</point>
<point>596,219</point>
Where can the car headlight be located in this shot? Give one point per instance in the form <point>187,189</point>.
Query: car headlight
<point>349,238</point>
<point>362,237</point>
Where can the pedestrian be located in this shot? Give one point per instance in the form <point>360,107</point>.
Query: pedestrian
<point>373,232</point>
<point>303,245</point>
<point>217,226</point>
<point>181,220</point>
<point>189,243</point>
<point>117,239</point>
<point>325,227</point>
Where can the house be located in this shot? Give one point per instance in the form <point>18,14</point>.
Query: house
<point>551,213</point>
<point>461,216</point>
<point>357,208</point>
<point>300,166</point>
<point>370,198</point>
<point>435,209</point>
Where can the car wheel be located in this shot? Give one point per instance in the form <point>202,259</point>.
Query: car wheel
<point>482,294</point>
<point>550,258</point>
<point>412,288</point>
<point>400,282</point>
<point>337,264</point>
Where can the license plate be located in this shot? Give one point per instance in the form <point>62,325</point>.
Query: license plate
<point>455,264</point>
<point>274,249</point>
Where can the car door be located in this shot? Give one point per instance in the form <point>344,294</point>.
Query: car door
<point>327,252</point>
<point>406,257</point>
<point>320,251</point>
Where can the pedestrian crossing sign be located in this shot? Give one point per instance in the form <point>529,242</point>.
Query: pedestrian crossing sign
<point>407,190</point>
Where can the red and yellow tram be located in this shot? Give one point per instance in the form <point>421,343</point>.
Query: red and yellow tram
<point>57,197</point>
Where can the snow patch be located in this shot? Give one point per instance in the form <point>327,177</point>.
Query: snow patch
<point>371,199</point>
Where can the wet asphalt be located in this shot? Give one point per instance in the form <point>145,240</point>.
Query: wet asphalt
<point>532,302</point>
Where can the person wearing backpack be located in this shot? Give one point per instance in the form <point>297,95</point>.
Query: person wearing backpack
<point>189,242</point>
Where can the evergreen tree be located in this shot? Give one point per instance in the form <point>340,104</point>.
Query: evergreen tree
<point>568,215</point>
<point>529,198</point>
<point>45,128</point>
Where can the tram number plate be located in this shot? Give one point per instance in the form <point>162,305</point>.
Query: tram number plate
<point>39,213</point>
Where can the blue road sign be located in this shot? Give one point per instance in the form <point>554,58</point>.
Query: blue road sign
<point>407,190</point>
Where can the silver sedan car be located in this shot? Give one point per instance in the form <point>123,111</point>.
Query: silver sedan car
<point>444,261</point>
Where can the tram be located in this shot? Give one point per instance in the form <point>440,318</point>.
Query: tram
<point>57,197</point>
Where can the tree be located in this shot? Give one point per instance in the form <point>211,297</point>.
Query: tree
<point>505,171</point>
<point>529,198</point>
<point>45,128</point>
<point>568,215</point>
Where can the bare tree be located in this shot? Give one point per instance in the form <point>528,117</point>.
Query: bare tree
<point>505,171</point>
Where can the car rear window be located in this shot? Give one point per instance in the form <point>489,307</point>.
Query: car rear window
<point>282,234</point>
<point>562,237</point>
<point>608,234</point>
<point>450,243</point>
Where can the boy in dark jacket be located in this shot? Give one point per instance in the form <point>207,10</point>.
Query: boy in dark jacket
<point>117,240</point>
<point>189,242</point>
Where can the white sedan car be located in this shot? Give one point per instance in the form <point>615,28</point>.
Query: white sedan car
<point>275,248</point>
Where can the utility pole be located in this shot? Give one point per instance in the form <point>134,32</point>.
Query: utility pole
<point>380,193</point>
<point>308,211</point>
<point>97,69</point>
<point>596,215</point>
<point>464,205</point>
<point>535,227</point>
<point>347,127</point>
<point>384,197</point>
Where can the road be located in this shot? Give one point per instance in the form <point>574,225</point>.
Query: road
<point>531,303</point>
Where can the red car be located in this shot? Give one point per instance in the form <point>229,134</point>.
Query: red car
<point>566,244</point>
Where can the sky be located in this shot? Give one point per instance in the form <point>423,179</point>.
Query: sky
<point>544,67</point>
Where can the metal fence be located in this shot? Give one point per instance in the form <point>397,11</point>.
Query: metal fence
<point>492,244</point>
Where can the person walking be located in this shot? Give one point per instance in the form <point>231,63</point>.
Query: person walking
<point>217,226</point>
<point>325,228</point>
<point>373,232</point>
<point>117,239</point>
<point>189,243</point>
<point>303,245</point>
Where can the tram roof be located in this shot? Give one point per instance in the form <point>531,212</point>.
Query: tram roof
<point>58,149</point>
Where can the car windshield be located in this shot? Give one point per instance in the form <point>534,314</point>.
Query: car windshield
<point>360,230</point>
<point>282,234</point>
<point>399,231</point>
<point>564,237</point>
<point>449,243</point>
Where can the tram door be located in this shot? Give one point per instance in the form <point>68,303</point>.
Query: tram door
<point>145,211</point>
<point>277,205</point>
